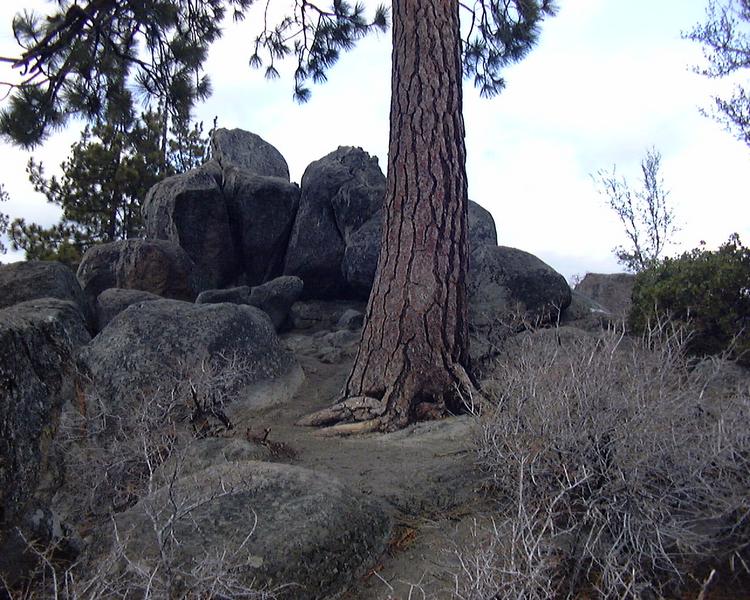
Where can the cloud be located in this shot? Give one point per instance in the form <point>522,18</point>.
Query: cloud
<point>24,201</point>
<point>351,108</point>
<point>608,80</point>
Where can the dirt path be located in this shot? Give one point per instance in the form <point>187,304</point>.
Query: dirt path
<point>424,475</point>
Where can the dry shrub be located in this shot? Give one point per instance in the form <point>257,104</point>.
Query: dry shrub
<point>110,462</point>
<point>216,574</point>
<point>617,476</point>
<point>164,571</point>
<point>111,457</point>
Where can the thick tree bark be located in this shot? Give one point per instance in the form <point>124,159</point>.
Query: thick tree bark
<point>414,346</point>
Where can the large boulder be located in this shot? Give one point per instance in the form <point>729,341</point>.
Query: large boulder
<point>509,290</point>
<point>340,193</point>
<point>189,209</point>
<point>506,281</point>
<point>363,247</point>
<point>156,266</point>
<point>248,151</point>
<point>226,349</point>
<point>612,291</point>
<point>111,302</point>
<point>361,257</point>
<point>261,213</point>
<point>482,231</point>
<point>585,313</point>
<point>38,341</point>
<point>276,297</point>
<point>289,528</point>
<point>22,281</point>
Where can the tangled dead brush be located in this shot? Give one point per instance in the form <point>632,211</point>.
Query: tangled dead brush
<point>110,462</point>
<point>618,473</point>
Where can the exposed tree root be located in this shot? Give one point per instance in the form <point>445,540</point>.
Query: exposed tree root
<point>343,429</point>
<point>356,409</point>
<point>365,414</point>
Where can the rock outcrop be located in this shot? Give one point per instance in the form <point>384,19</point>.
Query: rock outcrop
<point>261,213</point>
<point>242,222</point>
<point>38,341</point>
<point>585,313</point>
<point>506,281</point>
<point>249,152</point>
<point>508,290</point>
<point>482,230</point>
<point>32,280</point>
<point>335,242</point>
<point>340,193</point>
<point>190,210</point>
<point>149,347</point>
<point>160,267</point>
<point>233,215</point>
<point>361,255</point>
<point>612,291</point>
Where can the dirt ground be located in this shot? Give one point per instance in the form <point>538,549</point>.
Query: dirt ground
<point>424,475</point>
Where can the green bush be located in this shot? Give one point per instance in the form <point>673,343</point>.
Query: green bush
<point>709,290</point>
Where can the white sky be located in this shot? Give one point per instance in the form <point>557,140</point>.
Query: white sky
<point>609,79</point>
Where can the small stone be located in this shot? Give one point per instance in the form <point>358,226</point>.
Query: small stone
<point>351,319</point>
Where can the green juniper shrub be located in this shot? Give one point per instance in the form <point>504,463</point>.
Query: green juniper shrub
<point>708,289</point>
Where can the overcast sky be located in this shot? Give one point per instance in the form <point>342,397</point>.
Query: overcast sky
<point>609,79</point>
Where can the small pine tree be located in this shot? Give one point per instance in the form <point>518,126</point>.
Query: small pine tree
<point>103,185</point>
<point>58,242</point>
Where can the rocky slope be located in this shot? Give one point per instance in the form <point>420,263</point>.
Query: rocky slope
<point>238,315</point>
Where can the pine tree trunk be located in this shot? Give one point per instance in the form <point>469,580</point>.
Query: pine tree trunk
<point>414,346</point>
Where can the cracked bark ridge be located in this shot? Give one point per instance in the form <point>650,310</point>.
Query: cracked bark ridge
<point>414,346</point>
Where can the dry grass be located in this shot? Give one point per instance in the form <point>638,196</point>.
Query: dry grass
<point>616,475</point>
